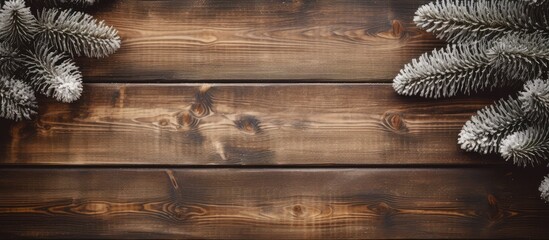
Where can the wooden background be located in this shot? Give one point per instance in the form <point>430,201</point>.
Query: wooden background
<point>258,119</point>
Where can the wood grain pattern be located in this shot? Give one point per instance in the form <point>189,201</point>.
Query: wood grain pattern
<point>294,40</point>
<point>271,204</point>
<point>254,124</point>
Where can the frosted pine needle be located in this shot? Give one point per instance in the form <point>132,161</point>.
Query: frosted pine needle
<point>521,56</point>
<point>544,189</point>
<point>535,99</point>
<point>17,100</point>
<point>9,59</point>
<point>54,74</point>
<point>456,69</point>
<point>485,131</point>
<point>77,33</point>
<point>528,147</point>
<point>471,20</point>
<point>17,24</point>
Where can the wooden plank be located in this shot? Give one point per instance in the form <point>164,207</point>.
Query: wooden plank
<point>272,204</point>
<point>307,124</point>
<point>214,40</point>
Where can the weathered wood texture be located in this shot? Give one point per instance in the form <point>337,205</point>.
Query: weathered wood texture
<point>310,124</point>
<point>214,40</point>
<point>271,204</point>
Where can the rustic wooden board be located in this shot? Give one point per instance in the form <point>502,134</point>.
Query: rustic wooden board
<point>271,204</point>
<point>244,124</point>
<point>217,40</point>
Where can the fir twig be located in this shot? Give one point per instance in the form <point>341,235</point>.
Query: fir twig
<point>54,74</point>
<point>456,69</point>
<point>77,33</point>
<point>535,99</point>
<point>528,147</point>
<point>471,20</point>
<point>544,189</point>
<point>485,131</point>
<point>17,100</point>
<point>17,24</point>
<point>76,2</point>
<point>9,59</point>
<point>521,56</point>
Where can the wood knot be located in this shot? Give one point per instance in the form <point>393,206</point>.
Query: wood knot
<point>186,120</point>
<point>200,110</point>
<point>93,208</point>
<point>393,121</point>
<point>397,31</point>
<point>382,209</point>
<point>248,124</point>
<point>203,102</point>
<point>495,212</point>
<point>298,211</point>
<point>164,122</point>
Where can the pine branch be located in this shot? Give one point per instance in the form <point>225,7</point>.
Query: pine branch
<point>485,131</point>
<point>544,189</point>
<point>17,24</point>
<point>535,99</point>
<point>521,56</point>
<point>53,74</point>
<point>527,147</point>
<point>77,33</point>
<point>471,68</point>
<point>471,20</point>
<point>535,2</point>
<point>9,59</point>
<point>76,2</point>
<point>68,3</point>
<point>17,100</point>
<point>456,69</point>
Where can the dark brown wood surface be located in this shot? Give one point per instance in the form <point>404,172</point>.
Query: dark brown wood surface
<point>267,156</point>
<point>244,124</point>
<point>271,204</point>
<point>294,40</point>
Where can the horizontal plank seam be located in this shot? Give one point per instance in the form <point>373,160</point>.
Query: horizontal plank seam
<point>251,82</point>
<point>270,167</point>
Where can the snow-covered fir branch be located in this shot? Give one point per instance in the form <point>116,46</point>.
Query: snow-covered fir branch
<point>17,99</point>
<point>485,131</point>
<point>521,56</point>
<point>76,33</point>
<point>528,147</point>
<point>17,24</point>
<point>456,69</point>
<point>471,20</point>
<point>544,189</point>
<point>54,74</point>
<point>9,59</point>
<point>535,99</point>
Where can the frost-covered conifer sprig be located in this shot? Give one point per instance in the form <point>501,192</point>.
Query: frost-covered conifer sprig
<point>9,59</point>
<point>76,33</point>
<point>485,131</point>
<point>471,20</point>
<point>535,99</point>
<point>535,2</point>
<point>528,147</point>
<point>17,24</point>
<point>521,56</point>
<point>544,189</point>
<point>75,2</point>
<point>17,100</point>
<point>47,68</point>
<point>54,74</point>
<point>463,69</point>
<point>456,69</point>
